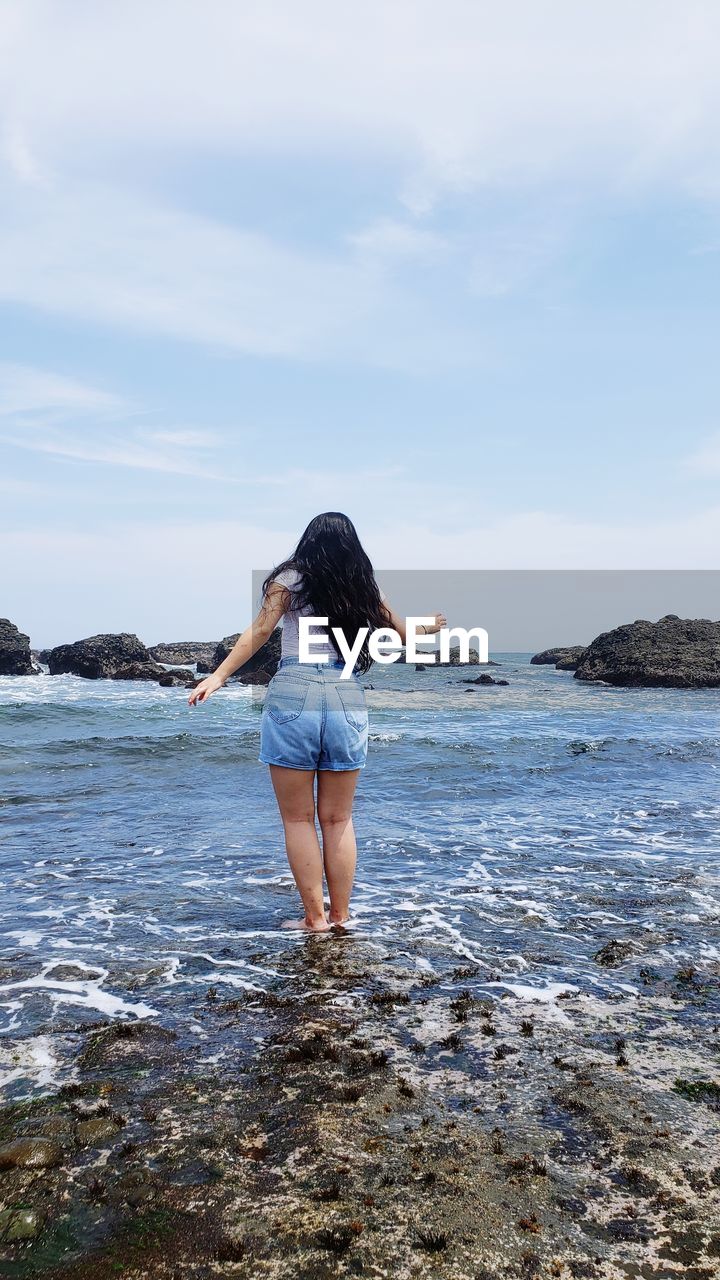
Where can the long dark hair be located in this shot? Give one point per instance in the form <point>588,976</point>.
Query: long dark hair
<point>337,581</point>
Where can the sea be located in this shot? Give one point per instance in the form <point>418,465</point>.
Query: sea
<point>509,833</point>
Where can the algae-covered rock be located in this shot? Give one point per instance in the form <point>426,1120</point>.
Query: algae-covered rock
<point>92,1132</point>
<point>19,1224</point>
<point>30,1153</point>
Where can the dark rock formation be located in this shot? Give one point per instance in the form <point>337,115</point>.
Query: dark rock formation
<point>139,671</point>
<point>153,671</point>
<point>185,651</point>
<point>261,667</point>
<point>674,653</point>
<point>483,679</point>
<point>15,659</point>
<point>173,679</point>
<point>40,655</point>
<point>428,654</point>
<point>571,658</point>
<point>454,660</point>
<point>565,659</point>
<point>97,657</point>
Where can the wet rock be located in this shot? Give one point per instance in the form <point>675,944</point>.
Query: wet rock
<point>30,1153</point>
<point>91,1133</point>
<point>614,953</point>
<point>673,653</point>
<point>564,658</point>
<point>19,1224</point>
<point>124,1043</point>
<point>483,679</point>
<point>454,659</point>
<point>98,657</point>
<point>15,659</point>
<point>174,679</point>
<point>59,1127</point>
<point>139,671</point>
<point>261,667</point>
<point>178,652</point>
<point>71,973</point>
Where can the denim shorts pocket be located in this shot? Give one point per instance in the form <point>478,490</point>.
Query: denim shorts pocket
<point>286,699</point>
<point>352,697</point>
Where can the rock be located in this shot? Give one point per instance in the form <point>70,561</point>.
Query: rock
<point>259,677</point>
<point>420,666</point>
<point>15,659</point>
<point>565,659</point>
<point>70,972</point>
<point>181,651</point>
<point>571,658</point>
<point>263,664</point>
<point>171,679</point>
<point>614,952</point>
<point>454,659</point>
<point>139,671</point>
<point>483,679</point>
<point>98,657</point>
<point>126,1043</point>
<point>40,655</point>
<point>92,1132</point>
<point>19,1224</point>
<point>30,1153</point>
<point>673,653</point>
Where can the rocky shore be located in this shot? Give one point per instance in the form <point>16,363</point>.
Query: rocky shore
<point>123,656</point>
<point>673,653</point>
<point>354,1119</point>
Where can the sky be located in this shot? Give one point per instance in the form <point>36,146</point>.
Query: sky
<point>451,268</point>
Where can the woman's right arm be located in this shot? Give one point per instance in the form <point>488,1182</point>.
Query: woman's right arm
<point>274,605</point>
<point>398,624</point>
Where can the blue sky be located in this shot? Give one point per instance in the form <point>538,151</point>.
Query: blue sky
<point>450,268</point>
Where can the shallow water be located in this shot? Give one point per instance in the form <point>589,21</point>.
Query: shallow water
<point>509,830</point>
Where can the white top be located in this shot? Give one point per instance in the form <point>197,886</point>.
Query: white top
<point>322,644</point>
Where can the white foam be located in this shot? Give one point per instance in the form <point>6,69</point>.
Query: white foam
<point>547,994</point>
<point>87,992</point>
<point>32,1059</point>
<point>25,937</point>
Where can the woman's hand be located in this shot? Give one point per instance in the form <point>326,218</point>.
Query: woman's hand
<point>205,689</point>
<point>437,625</point>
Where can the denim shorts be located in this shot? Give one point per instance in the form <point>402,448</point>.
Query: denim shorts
<point>312,719</point>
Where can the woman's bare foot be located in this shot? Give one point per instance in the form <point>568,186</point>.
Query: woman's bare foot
<point>338,919</point>
<point>310,926</point>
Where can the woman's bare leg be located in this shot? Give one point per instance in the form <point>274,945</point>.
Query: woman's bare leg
<point>336,791</point>
<point>296,801</point>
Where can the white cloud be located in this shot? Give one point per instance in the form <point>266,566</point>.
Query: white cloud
<point>187,439</point>
<point>106,255</point>
<point>466,92</point>
<point>387,236</point>
<point>706,460</point>
<point>438,98</point>
<point>118,452</point>
<point>109,579</point>
<point>46,413</point>
<point>25,389</point>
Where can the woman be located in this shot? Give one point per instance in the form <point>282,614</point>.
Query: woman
<point>314,722</point>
